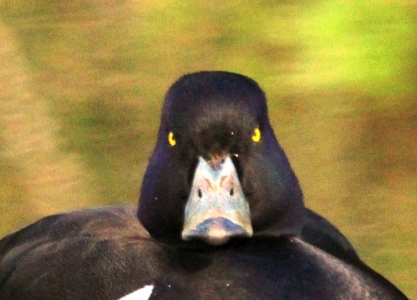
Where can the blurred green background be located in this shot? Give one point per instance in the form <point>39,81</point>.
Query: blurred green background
<point>82,82</point>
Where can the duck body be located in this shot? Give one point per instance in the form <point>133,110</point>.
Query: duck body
<point>220,216</point>
<point>106,254</point>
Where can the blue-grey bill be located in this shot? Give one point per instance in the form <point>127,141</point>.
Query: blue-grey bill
<point>217,209</point>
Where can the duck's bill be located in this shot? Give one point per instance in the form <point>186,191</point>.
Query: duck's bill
<point>217,209</point>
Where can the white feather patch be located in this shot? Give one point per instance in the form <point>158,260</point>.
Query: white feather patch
<point>140,294</point>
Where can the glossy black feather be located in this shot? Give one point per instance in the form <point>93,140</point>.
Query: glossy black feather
<point>106,254</point>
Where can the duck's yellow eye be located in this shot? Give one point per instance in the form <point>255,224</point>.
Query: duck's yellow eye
<point>171,139</point>
<point>256,137</point>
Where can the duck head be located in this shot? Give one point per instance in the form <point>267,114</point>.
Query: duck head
<point>217,172</point>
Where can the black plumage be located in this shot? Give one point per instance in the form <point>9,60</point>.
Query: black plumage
<point>215,143</point>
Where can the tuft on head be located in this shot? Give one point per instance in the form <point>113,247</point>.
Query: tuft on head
<point>211,88</point>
